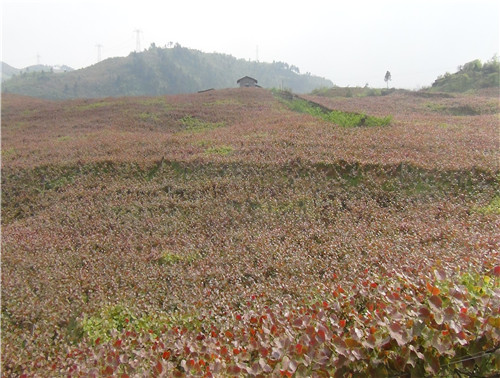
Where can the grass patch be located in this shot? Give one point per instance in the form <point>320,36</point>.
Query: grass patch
<point>348,92</point>
<point>101,326</point>
<point>492,208</point>
<point>146,116</point>
<point>458,110</point>
<point>154,101</point>
<point>204,143</point>
<point>195,125</point>
<point>344,119</point>
<point>224,102</point>
<point>93,106</point>
<point>8,152</point>
<point>220,150</point>
<point>64,138</point>
<point>169,258</point>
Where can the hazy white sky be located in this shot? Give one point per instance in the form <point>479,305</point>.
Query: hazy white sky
<point>351,42</point>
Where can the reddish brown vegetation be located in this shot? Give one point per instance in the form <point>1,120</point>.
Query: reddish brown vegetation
<point>220,233</point>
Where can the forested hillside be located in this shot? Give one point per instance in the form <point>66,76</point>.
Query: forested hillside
<point>161,71</point>
<point>8,71</point>
<point>472,75</point>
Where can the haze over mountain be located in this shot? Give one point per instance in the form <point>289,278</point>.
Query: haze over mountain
<point>8,71</point>
<point>159,71</point>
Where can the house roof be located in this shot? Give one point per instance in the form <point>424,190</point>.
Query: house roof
<point>246,77</point>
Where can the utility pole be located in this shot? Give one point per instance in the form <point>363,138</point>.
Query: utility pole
<point>38,58</point>
<point>257,53</point>
<point>138,40</point>
<point>99,46</point>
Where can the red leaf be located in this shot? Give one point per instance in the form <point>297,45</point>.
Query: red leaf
<point>395,327</point>
<point>432,289</point>
<point>166,355</point>
<point>373,285</point>
<point>462,335</point>
<point>229,334</point>
<point>299,348</point>
<point>496,271</point>
<point>108,371</point>
<point>117,343</point>
<point>342,323</point>
<point>435,302</point>
<point>159,367</point>
<point>200,337</point>
<point>321,335</point>
<point>424,313</point>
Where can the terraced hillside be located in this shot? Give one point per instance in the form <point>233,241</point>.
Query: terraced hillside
<point>223,233</point>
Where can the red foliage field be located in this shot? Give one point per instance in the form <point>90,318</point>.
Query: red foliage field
<point>221,233</point>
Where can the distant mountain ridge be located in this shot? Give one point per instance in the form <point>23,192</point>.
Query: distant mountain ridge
<point>158,71</point>
<point>9,72</point>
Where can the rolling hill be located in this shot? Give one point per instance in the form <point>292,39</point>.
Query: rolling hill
<point>230,233</point>
<point>8,71</point>
<point>158,71</point>
<point>471,76</point>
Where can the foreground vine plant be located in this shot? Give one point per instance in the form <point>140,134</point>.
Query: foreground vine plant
<point>222,234</point>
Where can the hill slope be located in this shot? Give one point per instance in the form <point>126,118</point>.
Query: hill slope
<point>161,71</point>
<point>225,234</point>
<point>470,76</point>
<point>8,71</point>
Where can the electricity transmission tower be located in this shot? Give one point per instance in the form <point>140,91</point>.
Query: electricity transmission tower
<point>99,46</point>
<point>138,40</point>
